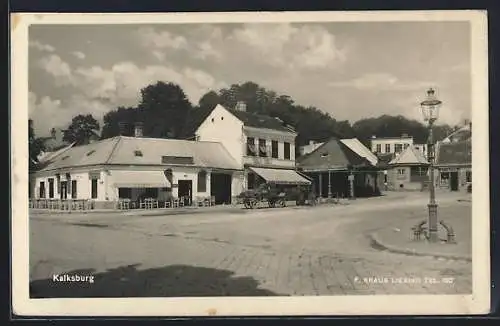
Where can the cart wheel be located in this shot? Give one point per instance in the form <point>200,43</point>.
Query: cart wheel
<point>272,203</point>
<point>252,204</point>
<point>282,203</point>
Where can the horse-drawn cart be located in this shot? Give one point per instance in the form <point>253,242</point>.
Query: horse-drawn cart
<point>276,196</point>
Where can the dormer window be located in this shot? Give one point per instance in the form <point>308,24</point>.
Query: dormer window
<point>91,152</point>
<point>65,157</point>
<point>324,154</point>
<point>138,153</point>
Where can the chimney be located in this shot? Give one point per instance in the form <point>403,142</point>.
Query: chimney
<point>138,129</point>
<point>241,106</point>
<point>122,126</point>
<point>404,135</point>
<point>53,133</point>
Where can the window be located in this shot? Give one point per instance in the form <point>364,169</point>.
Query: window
<point>58,181</point>
<point>387,148</point>
<point>169,175</point>
<point>324,154</point>
<point>401,174</point>
<point>51,188</point>
<point>65,157</point>
<point>91,152</point>
<point>125,193</point>
<point>419,171</point>
<point>379,148</point>
<point>202,181</point>
<point>406,146</point>
<point>287,151</point>
<point>74,191</point>
<point>401,171</point>
<point>94,189</point>
<point>468,176</point>
<point>262,148</point>
<point>177,160</point>
<point>42,189</point>
<point>274,149</point>
<point>398,148</point>
<point>138,153</point>
<point>251,146</point>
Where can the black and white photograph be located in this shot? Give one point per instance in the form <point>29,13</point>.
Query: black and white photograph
<point>250,164</point>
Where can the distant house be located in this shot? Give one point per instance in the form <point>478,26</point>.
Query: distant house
<point>262,146</point>
<point>332,164</point>
<point>408,170</point>
<point>454,159</point>
<point>54,143</point>
<point>309,148</point>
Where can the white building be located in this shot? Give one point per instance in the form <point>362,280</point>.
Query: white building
<point>262,146</point>
<point>390,145</point>
<point>136,167</point>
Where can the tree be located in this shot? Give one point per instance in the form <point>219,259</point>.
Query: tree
<point>163,110</point>
<point>113,119</point>
<point>81,129</point>
<point>36,146</point>
<point>209,100</point>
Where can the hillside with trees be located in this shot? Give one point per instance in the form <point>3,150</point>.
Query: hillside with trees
<point>166,112</point>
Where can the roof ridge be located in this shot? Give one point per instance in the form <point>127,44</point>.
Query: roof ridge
<point>112,152</point>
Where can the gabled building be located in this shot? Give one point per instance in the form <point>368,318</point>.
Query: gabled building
<point>454,159</point>
<point>408,170</point>
<point>137,167</point>
<point>262,146</point>
<point>343,168</point>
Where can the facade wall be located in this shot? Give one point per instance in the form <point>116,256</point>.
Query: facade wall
<point>391,143</point>
<point>399,178</point>
<point>443,175</point>
<point>221,126</point>
<point>83,184</point>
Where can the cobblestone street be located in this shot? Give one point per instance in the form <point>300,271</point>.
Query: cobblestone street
<point>323,250</point>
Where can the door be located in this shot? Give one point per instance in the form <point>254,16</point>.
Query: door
<point>220,187</point>
<point>186,191</point>
<point>454,181</point>
<point>64,189</point>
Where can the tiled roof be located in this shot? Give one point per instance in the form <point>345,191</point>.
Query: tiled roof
<point>456,153</point>
<point>260,121</point>
<point>409,156</point>
<point>462,134</point>
<point>355,145</point>
<point>122,150</point>
<point>333,154</point>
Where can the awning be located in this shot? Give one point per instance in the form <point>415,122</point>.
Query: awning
<point>281,176</point>
<point>140,179</point>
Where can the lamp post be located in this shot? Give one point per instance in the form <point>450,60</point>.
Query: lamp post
<point>430,110</point>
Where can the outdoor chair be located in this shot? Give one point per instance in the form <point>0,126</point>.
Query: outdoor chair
<point>212,200</point>
<point>143,204</point>
<point>168,204</point>
<point>206,201</point>
<point>175,202</point>
<point>181,202</point>
<point>154,203</point>
<point>199,201</point>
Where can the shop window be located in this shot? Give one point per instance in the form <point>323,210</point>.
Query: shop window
<point>125,193</point>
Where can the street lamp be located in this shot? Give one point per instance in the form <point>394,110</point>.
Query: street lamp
<point>430,110</point>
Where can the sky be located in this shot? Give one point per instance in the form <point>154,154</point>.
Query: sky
<point>352,70</point>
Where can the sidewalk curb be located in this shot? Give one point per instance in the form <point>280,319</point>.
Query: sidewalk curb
<point>411,252</point>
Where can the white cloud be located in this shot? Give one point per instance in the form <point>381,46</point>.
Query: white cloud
<point>162,40</point>
<point>284,45</point>
<point>59,69</point>
<point>121,83</point>
<point>79,55</point>
<point>41,47</point>
<point>42,111</point>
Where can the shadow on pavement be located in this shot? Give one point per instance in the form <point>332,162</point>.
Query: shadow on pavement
<point>168,281</point>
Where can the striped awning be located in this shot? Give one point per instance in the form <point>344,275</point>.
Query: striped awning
<point>140,179</point>
<point>281,176</point>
